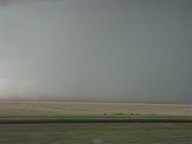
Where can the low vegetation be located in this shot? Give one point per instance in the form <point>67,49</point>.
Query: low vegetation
<point>83,123</point>
<point>96,134</point>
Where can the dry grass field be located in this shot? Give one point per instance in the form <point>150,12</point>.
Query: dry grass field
<point>36,108</point>
<point>93,133</point>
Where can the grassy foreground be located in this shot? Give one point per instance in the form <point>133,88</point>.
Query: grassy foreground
<point>94,123</point>
<point>96,134</point>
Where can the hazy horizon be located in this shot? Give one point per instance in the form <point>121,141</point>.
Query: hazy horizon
<point>96,50</point>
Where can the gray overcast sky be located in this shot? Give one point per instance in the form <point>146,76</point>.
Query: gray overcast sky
<point>133,50</point>
<point>190,51</point>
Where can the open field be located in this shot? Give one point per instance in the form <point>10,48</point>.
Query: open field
<point>96,134</point>
<point>35,108</point>
<point>30,122</point>
<point>29,112</point>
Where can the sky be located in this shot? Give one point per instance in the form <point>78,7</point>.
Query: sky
<point>190,50</point>
<point>96,50</point>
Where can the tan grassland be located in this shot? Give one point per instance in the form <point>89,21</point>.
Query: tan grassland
<point>90,108</point>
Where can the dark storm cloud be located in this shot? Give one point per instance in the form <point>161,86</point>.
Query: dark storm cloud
<point>134,50</point>
<point>189,8</point>
<point>5,2</point>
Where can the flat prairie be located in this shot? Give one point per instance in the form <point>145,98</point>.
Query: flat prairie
<point>43,108</point>
<point>96,132</point>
